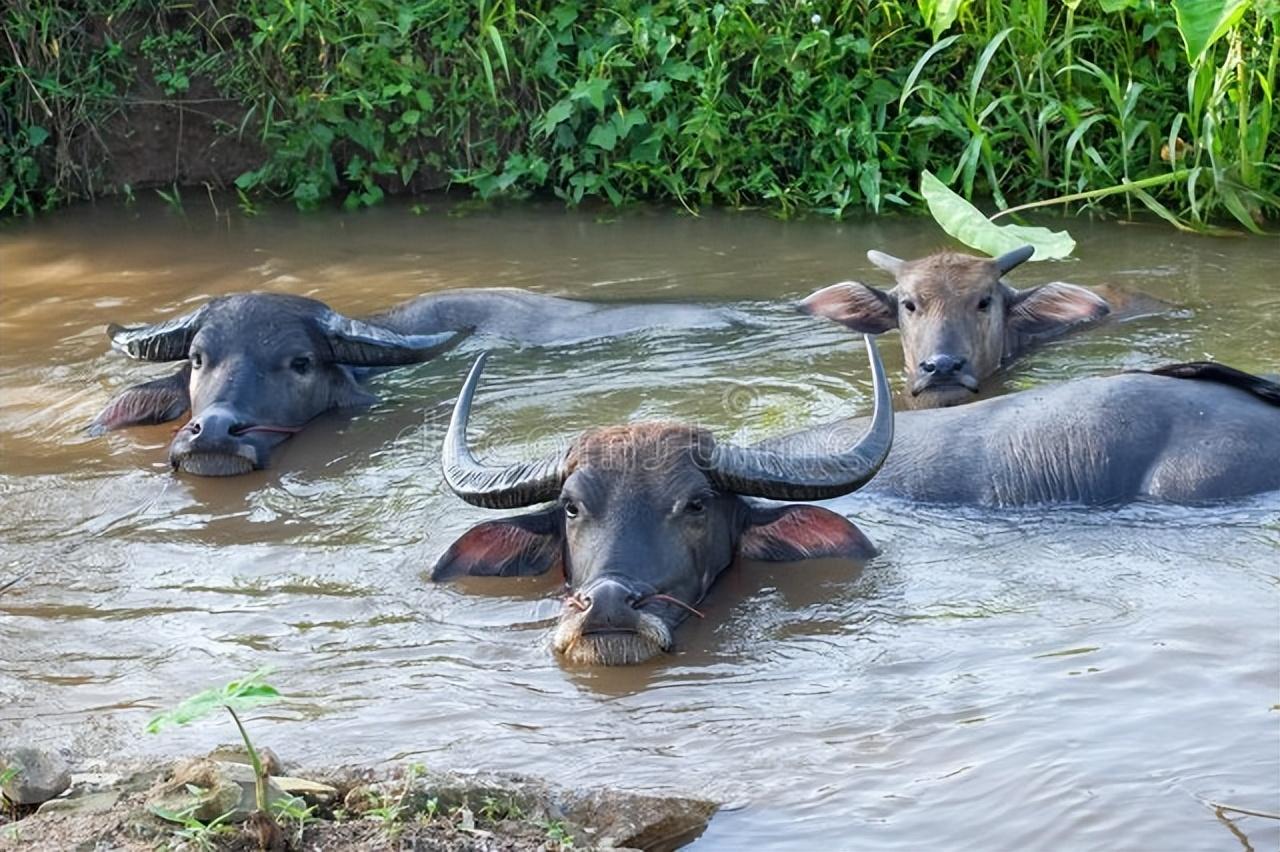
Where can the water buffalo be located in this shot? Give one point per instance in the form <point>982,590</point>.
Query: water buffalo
<point>958,318</point>
<point>258,366</point>
<point>1188,433</point>
<point>648,515</point>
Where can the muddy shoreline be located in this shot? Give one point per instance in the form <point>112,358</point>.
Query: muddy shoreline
<point>138,807</point>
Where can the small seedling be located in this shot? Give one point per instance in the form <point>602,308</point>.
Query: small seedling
<point>242,694</point>
<point>202,834</point>
<point>559,834</point>
<point>297,812</point>
<point>495,810</point>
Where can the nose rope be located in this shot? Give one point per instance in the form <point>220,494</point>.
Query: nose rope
<point>676,601</point>
<point>575,600</point>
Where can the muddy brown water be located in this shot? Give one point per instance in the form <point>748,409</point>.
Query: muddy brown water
<point>994,680</point>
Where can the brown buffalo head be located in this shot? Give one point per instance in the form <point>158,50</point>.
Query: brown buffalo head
<point>959,320</point>
<point>646,516</point>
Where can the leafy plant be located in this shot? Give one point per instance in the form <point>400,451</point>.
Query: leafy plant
<point>203,835</point>
<point>234,697</point>
<point>558,834</point>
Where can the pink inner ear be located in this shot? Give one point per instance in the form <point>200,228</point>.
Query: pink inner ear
<point>500,548</point>
<point>1058,302</point>
<point>852,304</point>
<point>139,406</point>
<point>805,532</point>
<point>494,542</point>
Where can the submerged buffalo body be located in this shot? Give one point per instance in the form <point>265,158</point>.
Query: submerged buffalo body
<point>1190,433</point>
<point>647,516</point>
<point>258,366</point>
<point>958,318</point>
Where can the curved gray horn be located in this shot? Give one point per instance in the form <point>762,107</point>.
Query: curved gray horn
<point>811,476</point>
<point>887,262</point>
<point>357,343</point>
<point>161,341</point>
<point>1011,259</point>
<point>507,487</point>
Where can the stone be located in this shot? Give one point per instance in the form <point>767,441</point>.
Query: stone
<point>99,802</point>
<point>311,792</point>
<point>639,821</point>
<point>208,789</point>
<point>236,753</point>
<point>40,775</point>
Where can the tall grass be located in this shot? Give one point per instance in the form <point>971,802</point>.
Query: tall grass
<point>834,106</point>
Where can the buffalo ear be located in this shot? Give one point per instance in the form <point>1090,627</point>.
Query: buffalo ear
<point>798,532</point>
<point>856,305</point>
<point>1052,309</point>
<point>150,402</point>
<point>522,546</point>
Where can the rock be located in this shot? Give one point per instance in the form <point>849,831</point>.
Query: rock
<point>312,792</point>
<point>238,754</point>
<point>633,820</point>
<point>221,789</point>
<point>90,803</point>
<point>41,775</point>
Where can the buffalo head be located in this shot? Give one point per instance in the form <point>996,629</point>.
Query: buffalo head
<point>257,367</point>
<point>958,318</point>
<point>646,516</point>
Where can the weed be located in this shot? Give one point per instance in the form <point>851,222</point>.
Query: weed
<point>296,813</point>
<point>558,834</point>
<point>496,810</point>
<point>203,835</point>
<point>241,694</point>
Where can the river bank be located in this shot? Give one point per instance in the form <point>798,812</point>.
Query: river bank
<point>208,803</point>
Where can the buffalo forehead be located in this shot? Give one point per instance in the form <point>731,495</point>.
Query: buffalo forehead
<point>947,275</point>
<point>646,455</point>
<point>262,323</point>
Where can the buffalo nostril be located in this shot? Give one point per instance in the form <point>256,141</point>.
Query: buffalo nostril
<point>927,366</point>
<point>195,428</point>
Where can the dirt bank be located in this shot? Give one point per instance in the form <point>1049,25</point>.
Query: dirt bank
<point>140,808</point>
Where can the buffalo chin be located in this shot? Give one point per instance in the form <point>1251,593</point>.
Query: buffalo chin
<point>942,396</point>
<point>213,464</point>
<point>650,638</point>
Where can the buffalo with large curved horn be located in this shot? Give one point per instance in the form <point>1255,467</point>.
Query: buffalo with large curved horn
<point>646,516</point>
<point>258,367</point>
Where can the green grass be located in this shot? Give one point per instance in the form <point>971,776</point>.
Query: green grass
<point>827,107</point>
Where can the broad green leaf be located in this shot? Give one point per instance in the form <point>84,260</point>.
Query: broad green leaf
<point>941,14</point>
<point>966,223</point>
<point>560,111</point>
<point>603,136</point>
<point>1203,22</point>
<point>237,695</point>
<point>591,90</point>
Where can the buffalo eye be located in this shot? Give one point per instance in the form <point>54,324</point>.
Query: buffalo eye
<point>984,303</point>
<point>570,509</point>
<point>197,360</point>
<point>909,305</point>
<point>696,506</point>
<point>300,365</point>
